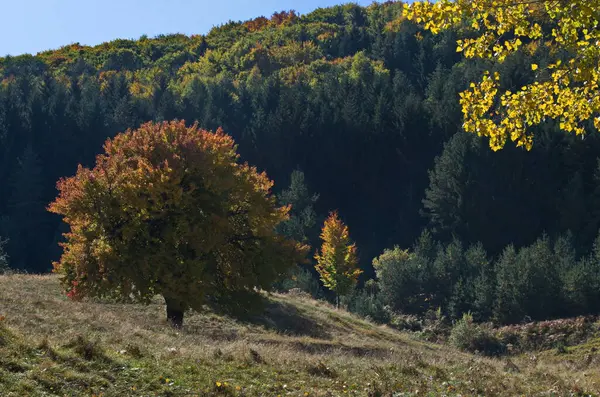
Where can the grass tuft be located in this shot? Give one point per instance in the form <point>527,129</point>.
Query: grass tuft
<point>87,349</point>
<point>321,369</point>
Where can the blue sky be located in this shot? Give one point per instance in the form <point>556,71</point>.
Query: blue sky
<point>30,26</point>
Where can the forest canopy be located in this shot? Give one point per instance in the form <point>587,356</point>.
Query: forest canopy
<point>363,102</point>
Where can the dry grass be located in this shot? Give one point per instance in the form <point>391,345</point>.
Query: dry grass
<point>51,346</point>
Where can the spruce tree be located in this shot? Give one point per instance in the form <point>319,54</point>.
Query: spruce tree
<point>510,283</point>
<point>26,214</point>
<point>302,221</point>
<point>446,197</point>
<point>3,257</point>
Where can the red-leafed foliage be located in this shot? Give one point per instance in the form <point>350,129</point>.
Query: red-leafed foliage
<point>169,209</point>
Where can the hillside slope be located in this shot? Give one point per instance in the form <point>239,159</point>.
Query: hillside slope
<point>51,346</point>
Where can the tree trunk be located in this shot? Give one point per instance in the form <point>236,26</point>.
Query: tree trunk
<point>175,310</point>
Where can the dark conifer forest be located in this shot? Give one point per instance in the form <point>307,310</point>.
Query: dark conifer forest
<point>345,108</point>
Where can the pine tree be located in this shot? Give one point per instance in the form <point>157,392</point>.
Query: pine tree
<point>26,213</point>
<point>448,267</point>
<point>542,286</point>
<point>483,284</point>
<point>445,198</point>
<point>582,283</point>
<point>3,257</point>
<point>573,207</point>
<point>300,226</point>
<point>510,280</point>
<point>337,262</point>
<point>464,296</point>
<point>303,218</point>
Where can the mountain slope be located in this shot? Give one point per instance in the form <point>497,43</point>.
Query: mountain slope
<point>52,346</point>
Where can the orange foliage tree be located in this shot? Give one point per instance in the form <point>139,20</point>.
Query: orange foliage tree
<point>337,262</point>
<point>170,210</point>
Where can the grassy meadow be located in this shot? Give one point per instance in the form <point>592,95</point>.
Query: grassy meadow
<point>50,346</point>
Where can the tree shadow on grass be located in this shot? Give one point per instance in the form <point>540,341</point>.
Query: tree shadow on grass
<point>256,310</point>
<point>286,319</point>
<point>280,317</point>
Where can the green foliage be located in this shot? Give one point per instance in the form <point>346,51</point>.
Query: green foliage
<point>529,283</point>
<point>400,280</point>
<point>359,100</point>
<point>582,283</point>
<point>369,305</point>
<point>509,291</point>
<point>542,281</point>
<point>476,338</point>
<point>3,257</point>
<point>445,200</point>
<point>432,276</point>
<point>484,288</point>
<point>302,279</point>
<point>302,221</point>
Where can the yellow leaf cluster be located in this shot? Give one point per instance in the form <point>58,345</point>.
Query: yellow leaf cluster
<point>568,93</point>
<point>337,262</point>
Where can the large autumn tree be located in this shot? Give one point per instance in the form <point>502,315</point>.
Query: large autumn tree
<point>170,210</point>
<point>564,89</point>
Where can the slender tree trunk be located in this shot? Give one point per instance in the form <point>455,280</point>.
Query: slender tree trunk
<point>175,310</point>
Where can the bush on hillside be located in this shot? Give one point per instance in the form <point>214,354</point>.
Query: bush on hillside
<point>301,279</point>
<point>436,326</point>
<point>547,335</point>
<point>369,306</point>
<point>400,276</point>
<point>475,338</point>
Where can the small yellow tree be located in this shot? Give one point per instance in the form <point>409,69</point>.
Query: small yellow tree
<point>337,262</point>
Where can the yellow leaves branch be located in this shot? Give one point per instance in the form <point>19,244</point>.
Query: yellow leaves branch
<point>503,27</point>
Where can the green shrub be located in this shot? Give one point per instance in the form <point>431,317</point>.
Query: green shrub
<point>547,335</point>
<point>369,305</point>
<point>561,348</point>
<point>436,326</point>
<point>406,322</point>
<point>401,276</point>
<point>476,338</point>
<point>302,279</point>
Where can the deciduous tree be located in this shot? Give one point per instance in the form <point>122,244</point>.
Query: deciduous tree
<point>170,210</point>
<point>337,261</point>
